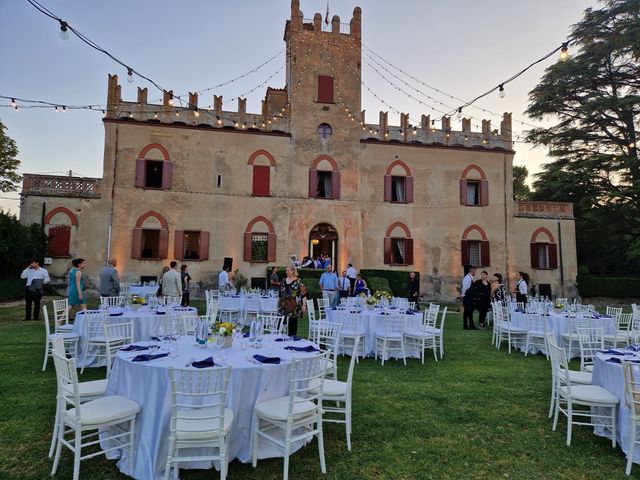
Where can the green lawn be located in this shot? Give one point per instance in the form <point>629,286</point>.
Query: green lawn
<point>479,413</point>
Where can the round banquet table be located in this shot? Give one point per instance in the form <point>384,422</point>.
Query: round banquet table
<point>373,321</point>
<point>147,383</point>
<point>145,321</point>
<point>608,374</point>
<point>558,323</point>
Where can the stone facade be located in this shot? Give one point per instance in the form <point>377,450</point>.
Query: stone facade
<point>392,193</point>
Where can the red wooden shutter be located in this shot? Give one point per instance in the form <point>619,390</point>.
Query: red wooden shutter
<point>313,183</point>
<point>534,255</point>
<point>335,184</point>
<point>136,243</point>
<point>247,246</point>
<point>325,89</point>
<point>204,245</point>
<point>408,189</point>
<point>408,251</point>
<point>271,247</point>
<point>387,250</point>
<point>141,164</point>
<point>484,192</point>
<point>261,179</point>
<point>59,240</point>
<point>387,188</point>
<point>167,171</point>
<point>463,191</point>
<point>553,256</point>
<point>163,243</point>
<point>485,256</point>
<point>464,252</point>
<point>178,245</point>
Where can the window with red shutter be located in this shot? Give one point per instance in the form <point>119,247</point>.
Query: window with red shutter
<point>59,240</point>
<point>261,180</point>
<point>325,89</point>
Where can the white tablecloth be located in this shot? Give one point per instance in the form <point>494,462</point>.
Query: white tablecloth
<point>559,324</point>
<point>148,384</point>
<point>610,376</point>
<point>372,321</point>
<point>145,322</point>
<point>246,304</point>
<point>144,290</point>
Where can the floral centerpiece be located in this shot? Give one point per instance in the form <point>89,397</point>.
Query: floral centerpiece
<point>380,294</point>
<point>136,302</point>
<point>226,331</point>
<point>558,305</point>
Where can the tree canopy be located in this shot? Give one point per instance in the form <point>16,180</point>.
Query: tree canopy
<point>521,190</point>
<point>9,177</point>
<point>593,100</point>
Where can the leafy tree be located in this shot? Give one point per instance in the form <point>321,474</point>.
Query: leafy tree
<point>19,244</point>
<point>9,164</point>
<point>521,190</point>
<point>593,99</point>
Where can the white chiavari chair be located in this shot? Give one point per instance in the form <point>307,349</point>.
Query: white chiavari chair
<point>116,335</point>
<point>352,332</point>
<point>93,340</point>
<point>61,316</point>
<point>117,301</point>
<point>390,338</point>
<point>70,340</point>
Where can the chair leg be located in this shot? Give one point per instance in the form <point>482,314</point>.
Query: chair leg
<point>167,468</point>
<point>613,426</point>
<point>254,444</point>
<point>56,460</point>
<point>555,414</point>
<point>347,415</point>
<point>287,453</point>
<point>404,354</point>
<point>323,465</point>
<point>56,426</point>
<point>47,346</point>
<point>77,454</point>
<point>223,459</point>
<point>632,447</point>
<point>553,395</point>
<point>569,422</point>
<point>132,448</point>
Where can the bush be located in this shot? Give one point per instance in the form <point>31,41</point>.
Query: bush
<point>583,270</point>
<point>378,283</point>
<point>397,280</point>
<point>19,245</point>
<point>593,286</point>
<point>11,289</point>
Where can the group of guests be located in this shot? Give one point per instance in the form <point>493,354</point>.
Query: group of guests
<point>479,294</point>
<point>322,262</point>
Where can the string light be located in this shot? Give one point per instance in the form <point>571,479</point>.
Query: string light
<point>564,52</point>
<point>459,114</point>
<point>501,92</point>
<point>129,75</point>
<point>13,102</point>
<point>64,30</point>
<point>16,108</point>
<point>64,109</point>
<point>196,113</point>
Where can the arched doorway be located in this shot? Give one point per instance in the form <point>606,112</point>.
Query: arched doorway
<point>323,238</point>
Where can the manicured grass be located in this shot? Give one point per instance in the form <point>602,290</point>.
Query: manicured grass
<point>479,413</point>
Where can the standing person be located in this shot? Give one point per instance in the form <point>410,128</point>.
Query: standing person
<point>185,280</point>
<point>223,279</point>
<point>498,291</point>
<point>414,289</point>
<point>307,262</point>
<point>482,297</point>
<point>36,278</point>
<point>274,280</point>
<point>352,275</point>
<point>165,269</point>
<point>522,288</point>
<point>172,282</point>
<point>291,303</point>
<point>76,285</point>
<point>467,298</point>
<point>360,285</point>
<point>109,280</point>
<point>345,285</point>
<point>329,284</point>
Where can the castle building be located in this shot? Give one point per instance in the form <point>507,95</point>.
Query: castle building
<point>306,175</point>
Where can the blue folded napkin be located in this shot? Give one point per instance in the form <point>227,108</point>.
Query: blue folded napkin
<point>519,310</point>
<point>284,339</point>
<point>634,348</point>
<point>116,314</point>
<point>246,335</point>
<point>612,352</point>
<point>134,348</point>
<point>334,308</point>
<point>308,348</point>
<point>263,359</point>
<point>160,313</point>
<point>146,357</point>
<point>206,363</point>
<point>410,312</point>
<point>619,360</point>
<point>235,296</point>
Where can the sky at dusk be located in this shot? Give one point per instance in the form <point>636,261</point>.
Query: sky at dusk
<point>462,48</point>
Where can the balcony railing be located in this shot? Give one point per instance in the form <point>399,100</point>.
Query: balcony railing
<point>544,209</point>
<point>60,186</point>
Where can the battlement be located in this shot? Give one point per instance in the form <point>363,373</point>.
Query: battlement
<point>298,23</point>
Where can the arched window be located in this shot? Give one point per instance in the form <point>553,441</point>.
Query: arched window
<point>544,250</point>
<point>324,178</point>
<point>474,187</point>
<point>259,241</point>
<point>324,131</point>
<point>398,245</point>
<point>398,183</point>
<point>475,248</point>
<point>154,168</point>
<point>261,162</point>
<point>150,238</point>
<point>59,223</point>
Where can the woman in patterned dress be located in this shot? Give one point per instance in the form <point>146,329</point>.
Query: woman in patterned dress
<point>291,304</point>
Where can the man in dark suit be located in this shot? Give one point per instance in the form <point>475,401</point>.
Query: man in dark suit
<point>467,293</point>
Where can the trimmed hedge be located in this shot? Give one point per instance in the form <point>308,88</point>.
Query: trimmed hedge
<point>612,287</point>
<point>396,280</point>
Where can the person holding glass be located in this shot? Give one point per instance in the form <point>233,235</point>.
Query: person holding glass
<point>291,304</point>
<point>76,285</point>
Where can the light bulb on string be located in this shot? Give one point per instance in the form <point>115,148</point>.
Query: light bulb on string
<point>196,113</point>
<point>459,114</point>
<point>501,93</point>
<point>13,103</point>
<point>564,52</point>
<point>64,30</point>
<point>129,75</point>
<point>64,109</point>
<point>16,108</point>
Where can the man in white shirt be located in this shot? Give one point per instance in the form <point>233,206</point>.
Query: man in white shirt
<point>344,285</point>
<point>172,282</point>
<point>223,279</point>
<point>36,278</point>
<point>467,298</point>
<point>351,275</point>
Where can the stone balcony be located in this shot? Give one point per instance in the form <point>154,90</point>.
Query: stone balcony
<point>60,186</point>
<point>559,210</point>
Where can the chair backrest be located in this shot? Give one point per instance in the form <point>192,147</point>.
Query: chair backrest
<point>66,375</point>
<point>631,387</point>
<point>252,304</point>
<point>563,301</point>
<point>443,317</point>
<point>199,396</point>
<point>311,313</point>
<point>578,322</point>
<point>536,322</point>
<point>328,335</point>
<point>269,305</point>
<point>306,381</point>
<point>519,305</point>
<point>591,340</point>
<point>394,324</point>
<point>352,362</point>
<point>167,325</point>
<point>47,326</point>
<point>229,303</point>
<point>118,335</point>
<point>429,319</point>
<point>117,301</point>
<point>624,321</point>
<point>61,311</point>
<point>613,311</point>
<point>169,300</point>
<point>352,323</point>
<point>271,323</point>
<point>323,303</point>
<point>559,365</point>
<point>189,323</point>
<point>93,324</point>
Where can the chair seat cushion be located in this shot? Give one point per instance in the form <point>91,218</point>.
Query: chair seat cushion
<point>95,388</point>
<point>330,388</point>
<point>513,329</point>
<point>590,393</point>
<point>278,408</point>
<point>330,366</point>
<point>392,336</point>
<point>435,331</point>
<point>66,336</point>
<point>583,378</point>
<point>352,333</point>
<point>536,333</point>
<point>104,410</point>
<point>197,429</point>
<point>65,327</point>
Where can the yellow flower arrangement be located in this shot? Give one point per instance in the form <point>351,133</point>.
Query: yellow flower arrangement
<point>136,300</point>
<point>224,328</point>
